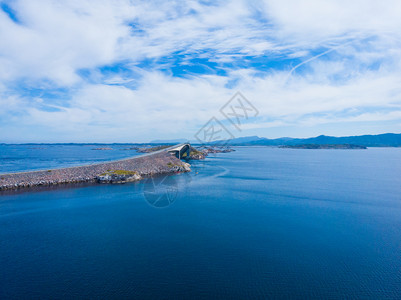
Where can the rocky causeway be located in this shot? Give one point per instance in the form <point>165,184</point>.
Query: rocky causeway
<point>118,171</point>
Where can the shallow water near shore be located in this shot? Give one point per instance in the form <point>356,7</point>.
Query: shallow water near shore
<point>256,223</point>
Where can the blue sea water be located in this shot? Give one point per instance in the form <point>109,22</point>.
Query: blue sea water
<point>19,158</point>
<point>256,223</point>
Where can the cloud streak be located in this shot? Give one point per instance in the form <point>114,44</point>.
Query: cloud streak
<point>142,70</point>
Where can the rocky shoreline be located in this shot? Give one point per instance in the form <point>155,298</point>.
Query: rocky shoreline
<point>110,172</point>
<point>202,152</point>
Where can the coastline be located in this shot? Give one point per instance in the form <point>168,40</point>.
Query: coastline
<point>150,164</point>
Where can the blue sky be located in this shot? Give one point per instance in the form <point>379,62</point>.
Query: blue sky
<point>135,71</point>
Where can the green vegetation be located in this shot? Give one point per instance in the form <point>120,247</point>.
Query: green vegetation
<point>195,152</point>
<point>171,165</point>
<point>119,172</point>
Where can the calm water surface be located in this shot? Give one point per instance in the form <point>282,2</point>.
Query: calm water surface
<point>255,223</point>
<point>19,158</point>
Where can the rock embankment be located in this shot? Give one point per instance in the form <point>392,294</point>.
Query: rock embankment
<point>152,149</point>
<point>201,153</point>
<point>157,163</point>
<point>118,176</point>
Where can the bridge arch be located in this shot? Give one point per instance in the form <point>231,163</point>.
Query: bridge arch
<point>180,150</point>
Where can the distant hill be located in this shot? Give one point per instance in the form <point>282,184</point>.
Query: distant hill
<point>321,146</point>
<point>380,140</point>
<point>248,139</point>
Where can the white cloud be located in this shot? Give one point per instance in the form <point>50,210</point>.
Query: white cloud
<point>57,39</point>
<point>314,21</point>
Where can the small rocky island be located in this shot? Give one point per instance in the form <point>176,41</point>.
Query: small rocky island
<point>327,146</point>
<point>202,152</point>
<point>103,148</point>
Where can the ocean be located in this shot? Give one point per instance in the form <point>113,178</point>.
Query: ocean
<point>29,157</point>
<point>256,223</point>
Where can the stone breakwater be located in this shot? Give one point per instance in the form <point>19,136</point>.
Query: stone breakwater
<point>158,163</point>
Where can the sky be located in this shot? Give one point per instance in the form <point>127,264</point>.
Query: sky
<point>136,71</point>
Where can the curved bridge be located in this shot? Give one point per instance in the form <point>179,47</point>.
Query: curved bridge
<point>180,150</point>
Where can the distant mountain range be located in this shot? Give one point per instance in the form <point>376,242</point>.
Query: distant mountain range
<point>380,140</point>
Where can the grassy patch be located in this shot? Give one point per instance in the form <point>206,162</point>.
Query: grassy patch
<point>171,165</point>
<point>195,152</point>
<point>119,172</point>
